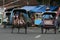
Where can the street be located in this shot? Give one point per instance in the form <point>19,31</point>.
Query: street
<point>33,34</point>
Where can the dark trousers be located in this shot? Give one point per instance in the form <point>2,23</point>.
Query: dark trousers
<point>58,22</point>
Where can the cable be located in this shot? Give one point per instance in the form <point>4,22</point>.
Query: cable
<point>11,3</point>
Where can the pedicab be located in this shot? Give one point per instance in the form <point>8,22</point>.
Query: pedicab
<point>48,21</point>
<point>17,23</point>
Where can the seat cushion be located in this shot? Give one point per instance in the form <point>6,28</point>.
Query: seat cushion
<point>48,22</point>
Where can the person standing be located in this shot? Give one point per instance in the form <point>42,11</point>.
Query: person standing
<point>58,18</point>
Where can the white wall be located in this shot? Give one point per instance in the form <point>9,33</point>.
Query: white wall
<point>2,14</point>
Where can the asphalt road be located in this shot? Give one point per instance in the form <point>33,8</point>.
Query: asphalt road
<point>33,34</point>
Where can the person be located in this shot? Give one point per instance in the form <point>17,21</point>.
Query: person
<point>15,16</point>
<point>47,8</point>
<point>21,21</point>
<point>33,18</point>
<point>58,18</point>
<point>15,20</point>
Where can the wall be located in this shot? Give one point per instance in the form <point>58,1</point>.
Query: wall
<point>1,14</point>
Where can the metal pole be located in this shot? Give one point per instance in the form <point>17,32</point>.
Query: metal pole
<point>49,2</point>
<point>27,2</point>
<point>43,2</point>
<point>3,3</point>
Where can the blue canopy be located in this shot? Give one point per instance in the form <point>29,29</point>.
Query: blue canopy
<point>39,8</point>
<point>43,9</point>
<point>28,8</point>
<point>52,8</point>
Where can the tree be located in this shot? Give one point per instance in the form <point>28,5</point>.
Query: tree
<point>39,1</point>
<point>46,2</point>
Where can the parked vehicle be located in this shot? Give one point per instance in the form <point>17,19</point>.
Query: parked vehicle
<point>49,21</point>
<point>17,15</point>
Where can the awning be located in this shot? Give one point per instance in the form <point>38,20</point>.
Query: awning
<point>43,9</point>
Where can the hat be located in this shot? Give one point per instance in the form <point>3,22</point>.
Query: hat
<point>47,8</point>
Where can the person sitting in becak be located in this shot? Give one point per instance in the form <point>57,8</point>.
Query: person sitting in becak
<point>15,21</point>
<point>21,21</point>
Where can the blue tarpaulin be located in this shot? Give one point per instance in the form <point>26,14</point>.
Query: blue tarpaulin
<point>43,9</point>
<point>40,8</point>
<point>52,8</point>
<point>28,8</point>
